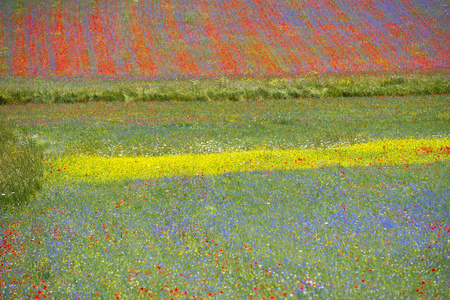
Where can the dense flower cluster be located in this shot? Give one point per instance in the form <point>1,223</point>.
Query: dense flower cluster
<point>382,152</point>
<point>193,39</point>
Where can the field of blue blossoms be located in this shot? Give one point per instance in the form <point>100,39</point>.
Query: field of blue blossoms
<point>330,232</point>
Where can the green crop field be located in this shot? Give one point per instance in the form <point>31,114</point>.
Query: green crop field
<point>322,197</point>
<point>44,90</point>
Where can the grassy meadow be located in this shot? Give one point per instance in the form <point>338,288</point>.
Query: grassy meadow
<point>319,197</point>
<point>39,90</point>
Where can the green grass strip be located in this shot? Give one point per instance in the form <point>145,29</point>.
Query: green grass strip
<point>381,152</point>
<point>12,92</point>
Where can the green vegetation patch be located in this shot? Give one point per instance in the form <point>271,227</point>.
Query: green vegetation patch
<point>21,168</point>
<point>47,91</point>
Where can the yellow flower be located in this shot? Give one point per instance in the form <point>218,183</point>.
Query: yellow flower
<point>401,151</point>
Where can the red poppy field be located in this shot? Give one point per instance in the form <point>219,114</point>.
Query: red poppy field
<point>207,39</point>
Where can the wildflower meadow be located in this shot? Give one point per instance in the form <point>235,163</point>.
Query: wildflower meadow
<point>224,149</point>
<point>321,198</point>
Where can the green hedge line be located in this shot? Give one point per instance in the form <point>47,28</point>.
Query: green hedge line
<point>225,89</point>
<point>21,167</point>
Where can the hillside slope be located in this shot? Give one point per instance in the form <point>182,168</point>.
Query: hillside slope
<point>205,39</point>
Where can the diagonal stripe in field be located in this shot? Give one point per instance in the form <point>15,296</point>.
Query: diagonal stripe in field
<point>381,152</point>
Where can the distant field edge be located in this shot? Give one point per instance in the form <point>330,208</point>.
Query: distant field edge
<point>14,91</point>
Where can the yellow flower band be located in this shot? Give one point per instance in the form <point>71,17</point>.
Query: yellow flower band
<point>381,152</point>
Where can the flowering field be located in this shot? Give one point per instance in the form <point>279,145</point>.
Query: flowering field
<point>206,39</point>
<point>243,197</point>
<point>318,198</point>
